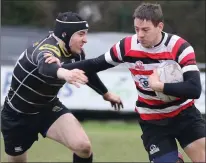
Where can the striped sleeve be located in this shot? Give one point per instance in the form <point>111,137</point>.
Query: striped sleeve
<point>185,55</point>
<point>116,53</point>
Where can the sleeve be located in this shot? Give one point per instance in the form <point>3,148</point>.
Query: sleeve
<point>96,84</point>
<point>45,69</point>
<point>190,88</point>
<point>113,57</point>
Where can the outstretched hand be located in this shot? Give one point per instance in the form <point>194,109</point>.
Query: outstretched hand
<point>114,100</point>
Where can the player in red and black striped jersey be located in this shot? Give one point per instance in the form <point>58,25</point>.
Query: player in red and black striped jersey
<point>161,122</point>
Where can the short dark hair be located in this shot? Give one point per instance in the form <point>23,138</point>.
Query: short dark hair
<point>69,17</point>
<point>149,11</point>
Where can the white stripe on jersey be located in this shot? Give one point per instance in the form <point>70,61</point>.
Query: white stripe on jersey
<point>172,42</point>
<point>143,110</point>
<point>11,105</point>
<point>15,92</point>
<point>185,52</point>
<point>35,75</point>
<point>29,59</point>
<point>109,60</point>
<point>146,66</point>
<point>117,46</point>
<point>32,89</point>
<point>190,68</point>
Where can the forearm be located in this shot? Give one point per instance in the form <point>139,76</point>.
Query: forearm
<point>96,84</point>
<point>90,65</point>
<point>189,89</point>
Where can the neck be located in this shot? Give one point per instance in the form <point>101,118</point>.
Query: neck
<point>60,42</point>
<point>159,39</point>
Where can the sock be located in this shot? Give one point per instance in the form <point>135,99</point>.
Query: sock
<point>77,159</point>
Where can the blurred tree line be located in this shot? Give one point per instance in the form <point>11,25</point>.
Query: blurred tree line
<point>185,18</point>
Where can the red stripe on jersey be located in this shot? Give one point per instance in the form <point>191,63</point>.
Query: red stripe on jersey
<point>187,58</point>
<point>127,44</point>
<point>150,102</point>
<point>142,54</point>
<point>115,51</point>
<point>140,72</point>
<point>158,116</point>
<point>176,47</point>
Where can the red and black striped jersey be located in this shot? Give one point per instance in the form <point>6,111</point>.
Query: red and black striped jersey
<point>142,61</point>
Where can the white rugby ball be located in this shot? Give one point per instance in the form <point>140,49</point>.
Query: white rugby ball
<point>169,72</point>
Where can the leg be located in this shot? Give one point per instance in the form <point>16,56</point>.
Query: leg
<point>159,143</point>
<point>196,150</point>
<point>64,128</point>
<point>20,158</point>
<point>17,138</point>
<point>192,134</point>
<point>68,131</point>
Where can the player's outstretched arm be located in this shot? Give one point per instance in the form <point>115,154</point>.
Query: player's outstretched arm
<point>110,59</point>
<point>90,65</point>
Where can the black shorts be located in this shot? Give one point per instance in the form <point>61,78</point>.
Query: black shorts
<point>186,127</point>
<point>20,131</point>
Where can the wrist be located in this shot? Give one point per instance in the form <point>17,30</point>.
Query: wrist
<point>105,94</point>
<point>160,86</point>
<point>61,73</point>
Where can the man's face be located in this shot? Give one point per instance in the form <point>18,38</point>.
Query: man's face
<point>77,41</point>
<point>147,33</point>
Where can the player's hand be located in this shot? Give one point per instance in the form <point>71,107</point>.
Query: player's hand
<point>49,58</point>
<point>74,76</point>
<point>114,100</point>
<point>154,82</point>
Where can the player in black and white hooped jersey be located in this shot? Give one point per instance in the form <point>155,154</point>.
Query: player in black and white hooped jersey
<point>32,105</point>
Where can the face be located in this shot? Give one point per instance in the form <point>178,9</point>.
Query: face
<point>147,34</point>
<point>77,41</point>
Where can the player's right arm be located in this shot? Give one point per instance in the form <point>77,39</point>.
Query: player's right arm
<point>54,70</point>
<point>113,57</point>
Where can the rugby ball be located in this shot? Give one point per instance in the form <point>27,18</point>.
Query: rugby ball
<point>169,72</point>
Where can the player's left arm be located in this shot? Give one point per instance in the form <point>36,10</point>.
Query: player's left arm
<point>190,88</point>
<point>97,85</point>
<point>94,81</point>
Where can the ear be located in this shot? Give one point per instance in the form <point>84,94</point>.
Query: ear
<point>161,26</point>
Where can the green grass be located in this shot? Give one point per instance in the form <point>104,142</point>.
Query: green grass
<point>111,142</point>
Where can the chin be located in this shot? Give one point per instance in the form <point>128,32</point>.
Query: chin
<point>77,51</point>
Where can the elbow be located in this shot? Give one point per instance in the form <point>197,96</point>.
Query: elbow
<point>196,93</point>
<point>196,90</point>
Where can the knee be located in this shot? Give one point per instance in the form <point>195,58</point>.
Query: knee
<point>84,148</point>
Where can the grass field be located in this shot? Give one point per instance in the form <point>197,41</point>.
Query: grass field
<point>111,141</point>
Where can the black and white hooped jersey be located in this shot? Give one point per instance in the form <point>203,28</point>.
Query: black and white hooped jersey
<point>31,90</point>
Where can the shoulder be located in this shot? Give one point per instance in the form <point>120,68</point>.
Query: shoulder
<point>49,45</point>
<point>174,40</point>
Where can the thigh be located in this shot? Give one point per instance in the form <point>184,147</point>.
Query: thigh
<point>17,132</point>
<point>191,126</point>
<point>64,128</point>
<point>158,140</point>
